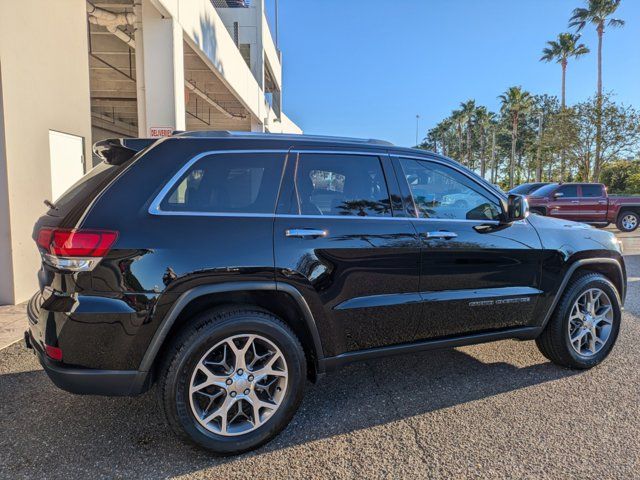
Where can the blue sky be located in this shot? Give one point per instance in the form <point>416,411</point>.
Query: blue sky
<point>366,68</point>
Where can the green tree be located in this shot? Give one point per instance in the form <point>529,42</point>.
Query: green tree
<point>515,103</point>
<point>561,51</point>
<point>621,176</point>
<point>619,134</point>
<point>468,110</point>
<point>484,121</point>
<point>598,13</point>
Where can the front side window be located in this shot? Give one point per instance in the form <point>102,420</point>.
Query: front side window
<point>568,191</point>
<point>441,192</point>
<point>332,184</point>
<point>591,191</point>
<point>228,183</point>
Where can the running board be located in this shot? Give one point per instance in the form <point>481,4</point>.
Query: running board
<point>521,333</point>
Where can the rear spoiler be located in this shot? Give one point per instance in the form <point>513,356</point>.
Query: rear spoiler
<point>116,151</point>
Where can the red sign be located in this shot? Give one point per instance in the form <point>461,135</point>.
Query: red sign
<point>157,132</point>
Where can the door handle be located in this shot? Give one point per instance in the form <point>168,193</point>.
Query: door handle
<point>441,234</point>
<point>305,232</point>
<point>602,202</point>
<point>575,201</point>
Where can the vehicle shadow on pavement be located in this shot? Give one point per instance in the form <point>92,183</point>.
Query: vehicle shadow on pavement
<point>118,436</point>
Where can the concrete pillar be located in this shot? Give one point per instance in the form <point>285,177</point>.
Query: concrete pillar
<point>140,88</point>
<point>6,265</point>
<point>256,125</point>
<point>162,75</point>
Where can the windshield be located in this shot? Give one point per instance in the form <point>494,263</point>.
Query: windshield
<point>546,190</point>
<point>523,189</point>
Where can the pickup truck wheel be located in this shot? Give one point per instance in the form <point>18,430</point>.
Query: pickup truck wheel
<point>584,325</point>
<point>628,221</point>
<point>232,380</point>
<point>538,211</point>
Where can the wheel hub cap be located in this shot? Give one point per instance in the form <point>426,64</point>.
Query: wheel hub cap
<point>629,222</point>
<point>237,385</point>
<point>590,322</point>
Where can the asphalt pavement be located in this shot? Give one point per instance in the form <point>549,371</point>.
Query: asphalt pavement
<point>490,411</point>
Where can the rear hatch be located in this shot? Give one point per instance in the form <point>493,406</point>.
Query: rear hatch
<point>58,234</point>
<point>116,154</point>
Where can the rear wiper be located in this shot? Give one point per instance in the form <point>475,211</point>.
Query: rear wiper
<point>50,205</point>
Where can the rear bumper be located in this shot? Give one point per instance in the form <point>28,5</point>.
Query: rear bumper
<point>83,381</point>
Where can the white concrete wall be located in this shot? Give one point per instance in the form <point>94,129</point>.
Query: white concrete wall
<point>44,73</point>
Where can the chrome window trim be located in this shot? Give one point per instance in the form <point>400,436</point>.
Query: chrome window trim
<point>154,208</point>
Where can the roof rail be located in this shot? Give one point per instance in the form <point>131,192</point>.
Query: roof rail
<point>278,136</point>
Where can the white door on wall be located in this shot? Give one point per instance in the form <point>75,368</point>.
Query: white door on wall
<point>67,161</point>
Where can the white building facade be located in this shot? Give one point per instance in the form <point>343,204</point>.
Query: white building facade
<point>74,72</point>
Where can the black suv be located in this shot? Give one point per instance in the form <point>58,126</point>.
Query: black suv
<point>229,268</point>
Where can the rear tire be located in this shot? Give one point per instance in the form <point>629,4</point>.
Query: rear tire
<point>566,339</point>
<point>628,221</point>
<point>222,399</point>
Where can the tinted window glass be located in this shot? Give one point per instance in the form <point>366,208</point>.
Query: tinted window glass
<point>568,190</point>
<point>546,190</point>
<point>230,183</point>
<point>591,191</point>
<point>94,181</point>
<point>441,192</point>
<point>523,189</point>
<point>341,185</point>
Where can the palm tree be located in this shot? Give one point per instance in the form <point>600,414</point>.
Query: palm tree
<point>561,50</point>
<point>484,119</point>
<point>440,134</point>
<point>597,13</point>
<point>457,118</point>
<point>515,102</point>
<point>468,110</point>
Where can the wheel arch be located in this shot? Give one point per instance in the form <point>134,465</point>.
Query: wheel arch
<point>282,300</point>
<point>609,267</point>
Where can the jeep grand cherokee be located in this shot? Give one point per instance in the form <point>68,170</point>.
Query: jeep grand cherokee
<point>226,269</point>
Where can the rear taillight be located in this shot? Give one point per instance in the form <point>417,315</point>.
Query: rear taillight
<point>74,250</point>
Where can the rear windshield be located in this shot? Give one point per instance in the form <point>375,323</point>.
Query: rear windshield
<point>94,181</point>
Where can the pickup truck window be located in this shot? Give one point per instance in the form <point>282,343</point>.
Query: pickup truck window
<point>592,191</point>
<point>568,191</point>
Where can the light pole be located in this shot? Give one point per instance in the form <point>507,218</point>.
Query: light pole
<point>417,124</point>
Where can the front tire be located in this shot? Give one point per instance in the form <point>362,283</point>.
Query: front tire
<point>232,380</point>
<point>628,221</point>
<point>585,324</point>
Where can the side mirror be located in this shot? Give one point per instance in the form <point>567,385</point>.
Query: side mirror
<point>517,208</point>
<point>558,195</point>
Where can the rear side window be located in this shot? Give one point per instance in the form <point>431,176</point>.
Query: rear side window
<point>332,184</point>
<point>568,190</point>
<point>229,183</point>
<point>592,191</point>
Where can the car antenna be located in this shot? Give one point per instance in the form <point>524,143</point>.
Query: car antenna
<point>50,204</point>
